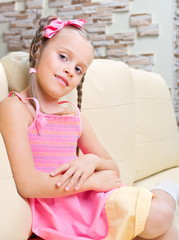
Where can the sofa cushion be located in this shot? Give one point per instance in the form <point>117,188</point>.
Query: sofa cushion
<point>3,83</point>
<point>15,211</point>
<point>149,182</point>
<point>16,66</point>
<point>157,137</point>
<point>108,103</point>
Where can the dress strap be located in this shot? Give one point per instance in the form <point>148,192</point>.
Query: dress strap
<point>78,111</point>
<point>37,102</point>
<point>29,98</point>
<point>72,104</point>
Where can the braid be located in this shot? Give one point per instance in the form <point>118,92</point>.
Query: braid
<point>79,101</point>
<point>38,40</point>
<point>35,50</point>
<point>79,92</point>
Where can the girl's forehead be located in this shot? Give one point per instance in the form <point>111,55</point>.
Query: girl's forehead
<point>69,33</point>
<point>71,38</point>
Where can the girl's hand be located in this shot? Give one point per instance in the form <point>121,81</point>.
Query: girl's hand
<point>105,180</point>
<point>76,171</point>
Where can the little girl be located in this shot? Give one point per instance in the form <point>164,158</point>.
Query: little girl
<point>73,197</point>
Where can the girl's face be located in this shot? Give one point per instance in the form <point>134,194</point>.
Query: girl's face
<point>63,62</point>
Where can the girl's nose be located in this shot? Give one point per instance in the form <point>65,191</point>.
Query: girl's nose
<point>68,72</point>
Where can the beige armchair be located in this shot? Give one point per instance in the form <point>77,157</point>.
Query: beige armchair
<point>132,113</point>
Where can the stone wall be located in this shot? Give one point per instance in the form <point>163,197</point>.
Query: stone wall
<point>22,23</point>
<point>175,89</point>
<point>99,14</point>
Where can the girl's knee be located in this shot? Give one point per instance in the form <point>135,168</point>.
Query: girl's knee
<point>159,220</point>
<point>172,233</point>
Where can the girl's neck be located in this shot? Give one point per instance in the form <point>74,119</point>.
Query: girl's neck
<point>47,104</point>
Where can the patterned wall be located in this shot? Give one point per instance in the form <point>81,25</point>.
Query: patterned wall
<point>98,14</point>
<point>175,89</point>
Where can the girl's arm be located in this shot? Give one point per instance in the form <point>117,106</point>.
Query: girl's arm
<point>14,122</point>
<point>95,158</point>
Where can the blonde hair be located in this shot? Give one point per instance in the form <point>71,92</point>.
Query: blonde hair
<point>36,47</point>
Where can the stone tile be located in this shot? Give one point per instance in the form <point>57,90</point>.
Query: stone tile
<point>141,19</point>
<point>7,6</point>
<point>149,30</point>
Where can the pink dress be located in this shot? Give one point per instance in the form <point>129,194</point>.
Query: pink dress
<point>81,216</point>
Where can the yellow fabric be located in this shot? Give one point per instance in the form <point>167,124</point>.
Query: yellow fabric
<point>127,209</point>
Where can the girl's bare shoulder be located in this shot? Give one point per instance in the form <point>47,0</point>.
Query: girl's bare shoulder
<point>11,104</point>
<point>14,110</point>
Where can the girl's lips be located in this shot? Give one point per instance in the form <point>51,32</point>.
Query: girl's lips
<point>63,81</point>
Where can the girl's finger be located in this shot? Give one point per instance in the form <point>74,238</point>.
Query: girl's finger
<point>68,174</point>
<point>60,170</point>
<point>83,177</point>
<point>75,178</point>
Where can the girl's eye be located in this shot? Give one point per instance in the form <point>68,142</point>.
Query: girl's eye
<point>62,57</point>
<point>78,70</point>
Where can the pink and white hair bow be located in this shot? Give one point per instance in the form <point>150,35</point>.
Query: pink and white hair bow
<point>57,24</point>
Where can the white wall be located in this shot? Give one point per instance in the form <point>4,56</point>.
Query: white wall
<point>162,45</point>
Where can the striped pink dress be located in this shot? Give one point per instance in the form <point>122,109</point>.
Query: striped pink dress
<point>119,214</point>
<point>81,216</point>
